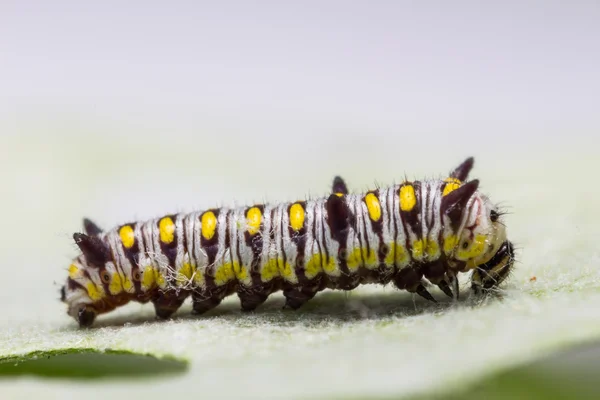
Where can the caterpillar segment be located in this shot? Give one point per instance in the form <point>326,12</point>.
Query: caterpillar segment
<point>413,235</point>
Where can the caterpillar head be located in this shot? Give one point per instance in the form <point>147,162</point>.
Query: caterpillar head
<point>94,285</point>
<point>475,234</point>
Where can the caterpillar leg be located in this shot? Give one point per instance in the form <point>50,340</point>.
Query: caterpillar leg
<point>410,279</point>
<point>453,281</point>
<point>490,275</point>
<point>200,306</point>
<point>436,274</point>
<point>296,297</point>
<point>445,287</point>
<point>250,299</point>
<point>205,300</point>
<point>421,291</point>
<point>166,303</point>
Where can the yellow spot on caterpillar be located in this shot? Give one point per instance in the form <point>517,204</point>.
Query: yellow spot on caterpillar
<point>296,217</point>
<point>270,270</point>
<point>253,217</point>
<point>417,248</point>
<point>313,266</point>
<point>186,270</point>
<point>159,278</point>
<point>432,249</point>
<point>285,270</point>
<point>450,243</point>
<point>148,278</point>
<point>356,257</point>
<point>370,258</point>
<point>401,255</point>
<point>73,271</point>
<point>198,277</point>
<point>94,292</point>
<point>127,284</point>
<point>116,285</point>
<point>484,258</point>
<point>390,256</point>
<point>209,225</point>
<point>241,272</point>
<point>330,266</point>
<point>127,236</point>
<point>373,207</point>
<point>185,274</point>
<point>167,230</point>
<point>408,200</point>
<point>476,248</point>
<point>224,274</point>
<point>451,185</point>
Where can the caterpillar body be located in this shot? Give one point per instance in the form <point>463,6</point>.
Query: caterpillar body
<point>411,234</point>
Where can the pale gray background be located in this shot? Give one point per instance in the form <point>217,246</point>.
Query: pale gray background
<point>125,110</point>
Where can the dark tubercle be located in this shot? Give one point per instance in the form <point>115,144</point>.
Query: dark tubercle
<point>91,228</point>
<point>339,186</point>
<point>94,249</point>
<point>455,202</point>
<point>462,171</point>
<point>340,219</point>
<point>339,216</point>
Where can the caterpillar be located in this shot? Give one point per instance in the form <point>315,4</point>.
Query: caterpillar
<point>413,234</point>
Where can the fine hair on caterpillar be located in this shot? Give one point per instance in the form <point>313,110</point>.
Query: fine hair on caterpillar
<point>413,234</point>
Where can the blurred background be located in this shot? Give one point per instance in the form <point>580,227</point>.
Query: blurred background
<point>120,111</point>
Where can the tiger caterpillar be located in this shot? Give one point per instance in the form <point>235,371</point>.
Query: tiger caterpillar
<point>412,234</point>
